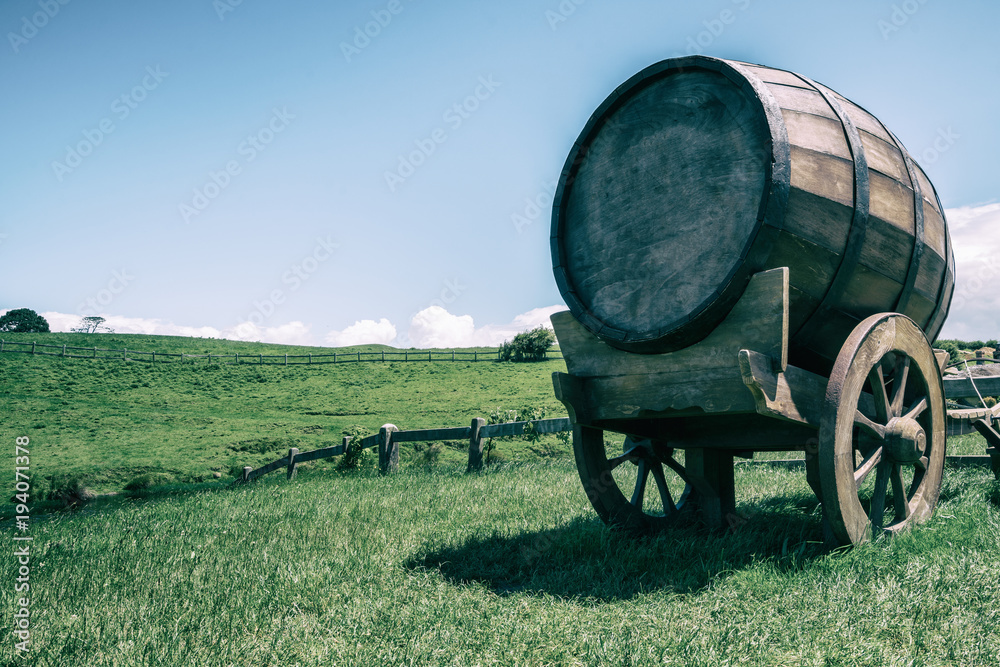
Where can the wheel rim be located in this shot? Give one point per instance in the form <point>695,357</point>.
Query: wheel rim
<point>882,435</point>
<point>632,489</point>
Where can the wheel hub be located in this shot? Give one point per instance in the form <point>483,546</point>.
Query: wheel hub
<point>905,440</point>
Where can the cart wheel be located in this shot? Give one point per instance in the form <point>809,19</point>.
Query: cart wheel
<point>618,484</point>
<point>884,413</point>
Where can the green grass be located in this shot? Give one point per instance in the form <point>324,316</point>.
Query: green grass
<point>506,568</point>
<point>431,566</point>
<point>108,422</point>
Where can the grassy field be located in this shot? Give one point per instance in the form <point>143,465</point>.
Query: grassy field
<point>431,566</point>
<point>110,422</point>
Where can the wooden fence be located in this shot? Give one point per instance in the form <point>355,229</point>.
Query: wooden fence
<point>389,438</point>
<point>257,359</point>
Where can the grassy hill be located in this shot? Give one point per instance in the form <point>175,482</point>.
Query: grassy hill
<point>431,566</point>
<point>108,422</point>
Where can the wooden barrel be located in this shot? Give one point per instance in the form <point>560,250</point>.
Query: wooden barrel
<point>698,172</point>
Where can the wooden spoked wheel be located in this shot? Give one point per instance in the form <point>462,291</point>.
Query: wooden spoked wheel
<point>882,434</point>
<point>630,487</point>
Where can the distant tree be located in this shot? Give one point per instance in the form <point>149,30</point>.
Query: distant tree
<point>92,324</point>
<point>23,320</point>
<point>528,345</point>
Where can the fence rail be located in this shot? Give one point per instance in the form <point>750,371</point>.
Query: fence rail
<point>125,354</point>
<point>389,438</point>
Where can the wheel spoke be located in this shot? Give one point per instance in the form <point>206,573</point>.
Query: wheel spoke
<point>917,409</point>
<point>677,468</point>
<point>634,454</point>
<point>877,381</point>
<point>866,466</point>
<point>899,385</point>
<point>640,485</point>
<point>661,484</point>
<point>899,500</point>
<point>877,512</point>
<point>870,426</point>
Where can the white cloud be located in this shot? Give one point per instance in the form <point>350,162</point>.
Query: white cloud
<point>364,332</point>
<point>975,308</point>
<point>292,333</point>
<point>435,327</point>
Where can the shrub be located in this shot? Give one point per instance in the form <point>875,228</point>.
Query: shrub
<point>528,345</point>
<point>355,457</point>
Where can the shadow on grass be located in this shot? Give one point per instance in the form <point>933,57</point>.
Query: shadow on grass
<point>584,559</point>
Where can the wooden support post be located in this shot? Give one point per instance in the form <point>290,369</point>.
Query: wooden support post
<point>388,451</point>
<point>246,473</point>
<point>1,346</point>
<point>980,355</point>
<point>64,350</point>
<point>286,358</point>
<point>154,357</point>
<point>32,347</point>
<point>711,473</point>
<point>292,453</point>
<point>124,354</point>
<point>237,358</point>
<point>476,446</point>
<point>346,441</point>
<point>95,353</point>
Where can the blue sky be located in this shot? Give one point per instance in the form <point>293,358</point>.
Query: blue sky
<point>231,178</point>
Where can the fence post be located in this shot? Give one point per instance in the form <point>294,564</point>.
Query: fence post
<point>980,355</point>
<point>476,445</point>
<point>64,350</point>
<point>310,357</point>
<point>286,358</point>
<point>124,354</point>
<point>237,362</point>
<point>95,353</point>
<point>246,473</point>
<point>154,358</point>
<point>1,347</point>
<point>292,453</point>
<point>388,451</point>
<point>32,347</point>
<point>383,355</point>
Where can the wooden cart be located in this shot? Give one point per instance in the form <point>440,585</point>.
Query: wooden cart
<point>873,433</point>
<point>752,263</point>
